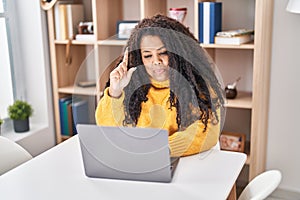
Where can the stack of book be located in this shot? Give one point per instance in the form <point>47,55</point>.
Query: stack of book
<point>72,111</point>
<point>210,21</point>
<point>234,37</point>
<point>85,37</point>
<point>67,17</point>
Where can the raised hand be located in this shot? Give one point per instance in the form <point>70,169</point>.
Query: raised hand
<point>120,77</point>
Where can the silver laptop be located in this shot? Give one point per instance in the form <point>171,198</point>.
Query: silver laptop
<point>126,153</point>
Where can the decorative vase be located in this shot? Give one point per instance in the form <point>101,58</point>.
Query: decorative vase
<point>230,93</point>
<point>21,125</point>
<point>178,13</point>
<point>230,90</point>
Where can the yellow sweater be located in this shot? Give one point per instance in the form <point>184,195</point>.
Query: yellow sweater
<point>155,113</point>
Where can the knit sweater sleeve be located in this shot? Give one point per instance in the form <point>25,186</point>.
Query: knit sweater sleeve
<point>110,110</point>
<point>193,140</point>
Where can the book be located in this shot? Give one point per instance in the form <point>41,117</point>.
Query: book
<point>57,17</point>
<point>62,14</point>
<point>67,18</point>
<point>74,17</point>
<point>70,119</point>
<point>71,124</point>
<point>66,116</point>
<point>85,37</point>
<point>210,21</point>
<point>237,32</point>
<point>80,110</point>
<point>236,40</point>
<point>63,114</point>
<point>57,21</point>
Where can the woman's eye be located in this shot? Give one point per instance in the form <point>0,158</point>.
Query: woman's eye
<point>147,56</point>
<point>163,53</point>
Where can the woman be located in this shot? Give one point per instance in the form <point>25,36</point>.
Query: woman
<point>165,80</point>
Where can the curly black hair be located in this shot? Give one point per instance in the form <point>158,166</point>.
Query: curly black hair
<point>195,91</point>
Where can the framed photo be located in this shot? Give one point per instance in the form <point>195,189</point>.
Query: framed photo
<point>232,141</point>
<point>124,28</point>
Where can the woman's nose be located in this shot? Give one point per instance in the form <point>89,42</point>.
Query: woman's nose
<point>157,60</point>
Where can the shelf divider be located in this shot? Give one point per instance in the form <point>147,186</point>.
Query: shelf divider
<point>73,89</point>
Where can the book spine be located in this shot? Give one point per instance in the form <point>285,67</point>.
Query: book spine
<point>57,21</point>
<point>66,130</point>
<point>216,20</point>
<point>207,22</point>
<point>70,21</point>
<point>233,40</point>
<point>70,119</point>
<point>210,21</point>
<point>63,114</point>
<point>80,111</point>
<point>63,22</point>
<point>74,16</point>
<point>200,15</point>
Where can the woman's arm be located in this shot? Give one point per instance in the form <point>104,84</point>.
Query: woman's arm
<point>110,111</point>
<point>193,140</point>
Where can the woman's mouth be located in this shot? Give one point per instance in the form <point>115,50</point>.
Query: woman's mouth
<point>159,71</point>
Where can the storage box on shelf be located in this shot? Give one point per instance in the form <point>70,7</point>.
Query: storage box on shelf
<point>254,86</point>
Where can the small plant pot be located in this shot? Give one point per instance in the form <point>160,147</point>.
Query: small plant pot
<point>21,125</point>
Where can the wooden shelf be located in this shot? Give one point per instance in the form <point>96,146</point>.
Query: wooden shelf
<point>75,42</point>
<point>257,67</point>
<point>225,46</point>
<point>243,100</point>
<point>112,42</point>
<point>90,91</point>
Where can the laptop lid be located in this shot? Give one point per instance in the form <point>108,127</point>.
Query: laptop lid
<point>125,153</point>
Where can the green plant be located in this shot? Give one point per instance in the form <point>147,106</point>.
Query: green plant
<point>1,121</point>
<point>20,110</point>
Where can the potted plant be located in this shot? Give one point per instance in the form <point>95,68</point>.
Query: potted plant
<point>20,112</point>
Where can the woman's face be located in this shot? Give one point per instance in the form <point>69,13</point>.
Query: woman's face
<point>155,58</point>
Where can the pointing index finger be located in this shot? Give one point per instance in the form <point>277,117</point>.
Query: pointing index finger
<point>125,59</point>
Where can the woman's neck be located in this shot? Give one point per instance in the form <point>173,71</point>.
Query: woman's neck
<point>160,84</point>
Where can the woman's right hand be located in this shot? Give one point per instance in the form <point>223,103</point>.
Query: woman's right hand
<point>120,77</point>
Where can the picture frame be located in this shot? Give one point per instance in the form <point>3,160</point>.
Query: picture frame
<point>232,141</point>
<point>124,28</point>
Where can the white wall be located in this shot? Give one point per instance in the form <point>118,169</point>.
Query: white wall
<point>283,151</point>
<point>33,66</point>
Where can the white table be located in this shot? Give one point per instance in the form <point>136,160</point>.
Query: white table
<point>59,174</point>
